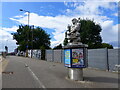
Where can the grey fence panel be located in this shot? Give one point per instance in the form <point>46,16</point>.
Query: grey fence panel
<point>58,56</point>
<point>29,53</point>
<point>62,56</point>
<point>97,58</point>
<point>38,54</point>
<point>34,54</point>
<point>113,59</point>
<point>49,55</point>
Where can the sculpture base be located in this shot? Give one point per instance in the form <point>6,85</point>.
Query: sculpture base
<point>75,46</point>
<point>75,43</point>
<point>75,74</point>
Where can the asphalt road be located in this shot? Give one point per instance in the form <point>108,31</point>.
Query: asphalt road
<point>24,72</point>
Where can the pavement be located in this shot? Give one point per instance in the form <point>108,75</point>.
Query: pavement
<point>3,64</point>
<point>24,72</point>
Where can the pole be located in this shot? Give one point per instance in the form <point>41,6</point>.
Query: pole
<point>28,17</point>
<point>28,33</point>
<point>107,58</point>
<point>28,30</point>
<point>32,43</point>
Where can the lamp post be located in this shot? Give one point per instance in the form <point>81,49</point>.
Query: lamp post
<point>28,14</point>
<point>32,42</point>
<point>28,26</point>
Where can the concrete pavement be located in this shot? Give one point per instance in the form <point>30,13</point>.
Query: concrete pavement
<point>31,73</point>
<point>3,64</point>
<point>16,75</point>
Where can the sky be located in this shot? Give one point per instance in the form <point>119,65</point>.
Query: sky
<point>54,18</point>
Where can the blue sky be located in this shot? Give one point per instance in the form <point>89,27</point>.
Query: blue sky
<point>55,16</point>
<point>10,9</point>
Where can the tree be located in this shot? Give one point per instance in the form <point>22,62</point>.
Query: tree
<point>104,45</point>
<point>31,38</point>
<point>58,47</point>
<point>89,34</point>
<point>66,39</point>
<point>42,52</point>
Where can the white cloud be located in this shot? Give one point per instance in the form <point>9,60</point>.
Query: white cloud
<point>7,39</point>
<point>20,16</point>
<point>59,23</point>
<point>12,29</point>
<point>115,14</point>
<point>110,31</point>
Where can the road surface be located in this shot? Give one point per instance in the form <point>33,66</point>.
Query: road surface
<point>24,72</point>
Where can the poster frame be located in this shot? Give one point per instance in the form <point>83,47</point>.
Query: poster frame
<point>73,66</point>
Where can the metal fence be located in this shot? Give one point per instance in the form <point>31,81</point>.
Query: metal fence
<point>35,54</point>
<point>113,59</point>
<point>97,58</point>
<point>104,59</point>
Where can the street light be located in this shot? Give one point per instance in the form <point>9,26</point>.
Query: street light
<point>28,14</point>
<point>28,26</point>
<point>32,42</point>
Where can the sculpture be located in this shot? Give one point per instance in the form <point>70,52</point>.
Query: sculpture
<point>75,52</point>
<point>73,34</point>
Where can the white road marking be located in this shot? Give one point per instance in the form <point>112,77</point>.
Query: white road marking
<point>34,76</point>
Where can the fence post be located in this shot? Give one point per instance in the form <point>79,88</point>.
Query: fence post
<point>107,59</point>
<point>61,55</point>
<point>45,55</point>
<point>52,55</point>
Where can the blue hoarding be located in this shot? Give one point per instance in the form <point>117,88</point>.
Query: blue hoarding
<point>67,53</point>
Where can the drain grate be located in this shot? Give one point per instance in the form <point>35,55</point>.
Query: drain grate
<point>7,72</point>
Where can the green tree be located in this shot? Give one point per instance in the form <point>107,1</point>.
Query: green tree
<point>89,34</point>
<point>66,39</point>
<point>104,45</point>
<point>42,52</point>
<point>31,38</point>
<point>58,47</point>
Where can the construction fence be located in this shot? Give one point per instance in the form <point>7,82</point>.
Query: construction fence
<point>104,59</point>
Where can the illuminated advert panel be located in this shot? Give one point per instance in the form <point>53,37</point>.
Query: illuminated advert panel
<point>74,58</point>
<point>67,58</point>
<point>78,58</point>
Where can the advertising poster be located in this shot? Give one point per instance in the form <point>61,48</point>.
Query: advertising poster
<point>77,58</point>
<point>67,58</point>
